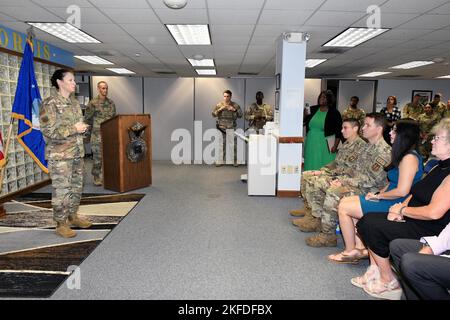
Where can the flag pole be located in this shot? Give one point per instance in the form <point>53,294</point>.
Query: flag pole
<point>30,36</point>
<point>5,152</point>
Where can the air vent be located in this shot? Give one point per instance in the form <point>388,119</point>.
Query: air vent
<point>408,76</point>
<point>164,72</point>
<point>329,75</point>
<point>333,50</point>
<point>248,73</point>
<point>105,53</point>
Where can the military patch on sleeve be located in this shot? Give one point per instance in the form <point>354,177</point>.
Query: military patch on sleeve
<point>353,158</point>
<point>44,119</point>
<point>379,163</point>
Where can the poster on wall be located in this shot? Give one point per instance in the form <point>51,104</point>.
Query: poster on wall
<point>425,96</point>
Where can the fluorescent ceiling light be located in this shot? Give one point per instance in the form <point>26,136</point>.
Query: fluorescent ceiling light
<point>190,34</point>
<point>444,77</point>
<point>65,31</point>
<point>120,70</point>
<point>354,36</point>
<point>93,59</point>
<point>412,64</point>
<point>207,72</point>
<point>202,63</point>
<point>311,63</point>
<point>373,74</point>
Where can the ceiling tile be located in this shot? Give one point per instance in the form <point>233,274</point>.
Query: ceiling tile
<point>388,20</point>
<point>233,17</point>
<point>236,4</point>
<point>183,16</point>
<point>87,15</point>
<point>283,17</point>
<point>334,18</point>
<point>62,3</point>
<point>350,5</point>
<point>428,21</point>
<point>226,31</point>
<point>136,4</point>
<point>293,4</point>
<point>31,12</point>
<point>127,15</point>
<point>413,6</point>
<point>191,4</point>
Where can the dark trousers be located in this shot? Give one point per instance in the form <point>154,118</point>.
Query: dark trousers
<point>423,276</point>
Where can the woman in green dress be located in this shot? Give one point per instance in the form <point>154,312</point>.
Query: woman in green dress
<point>323,122</point>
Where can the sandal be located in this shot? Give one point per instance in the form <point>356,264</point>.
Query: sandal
<point>372,274</point>
<point>381,290</point>
<point>362,253</point>
<point>341,257</point>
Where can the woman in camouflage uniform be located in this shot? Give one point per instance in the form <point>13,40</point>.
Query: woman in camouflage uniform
<point>62,125</point>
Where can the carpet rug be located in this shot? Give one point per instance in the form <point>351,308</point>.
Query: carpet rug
<point>34,261</point>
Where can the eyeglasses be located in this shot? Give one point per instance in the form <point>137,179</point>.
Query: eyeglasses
<point>437,138</point>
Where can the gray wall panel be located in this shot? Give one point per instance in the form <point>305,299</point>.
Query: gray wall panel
<point>170,102</point>
<point>126,92</point>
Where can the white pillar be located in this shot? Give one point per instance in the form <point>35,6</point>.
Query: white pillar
<point>290,64</point>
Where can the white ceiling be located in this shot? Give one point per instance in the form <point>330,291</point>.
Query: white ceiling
<point>244,32</point>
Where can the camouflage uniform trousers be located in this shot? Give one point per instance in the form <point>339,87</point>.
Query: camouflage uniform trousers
<point>315,188</point>
<point>226,144</point>
<point>307,183</point>
<point>328,212</point>
<point>96,147</point>
<point>67,185</point>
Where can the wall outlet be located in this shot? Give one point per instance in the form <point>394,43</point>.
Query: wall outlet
<point>283,169</point>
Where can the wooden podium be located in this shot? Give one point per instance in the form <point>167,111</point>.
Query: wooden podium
<point>119,172</point>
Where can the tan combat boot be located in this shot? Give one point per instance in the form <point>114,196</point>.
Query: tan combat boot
<point>98,181</point>
<point>322,240</point>
<point>79,222</point>
<point>308,224</point>
<point>300,212</point>
<point>64,230</point>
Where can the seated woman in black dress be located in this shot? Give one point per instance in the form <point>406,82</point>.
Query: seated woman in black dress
<point>425,213</point>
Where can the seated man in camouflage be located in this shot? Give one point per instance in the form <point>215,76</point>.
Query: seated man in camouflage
<point>369,176</point>
<point>346,157</point>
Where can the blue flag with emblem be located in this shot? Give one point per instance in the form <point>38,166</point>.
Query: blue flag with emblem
<point>27,102</point>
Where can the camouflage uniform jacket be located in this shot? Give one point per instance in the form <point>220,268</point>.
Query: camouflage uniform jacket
<point>369,174</point>
<point>227,119</point>
<point>97,112</point>
<point>446,113</point>
<point>58,116</point>
<point>412,112</point>
<point>346,157</point>
<point>358,114</point>
<point>257,115</point>
<point>426,122</point>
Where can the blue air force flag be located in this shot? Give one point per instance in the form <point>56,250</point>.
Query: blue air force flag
<point>26,110</point>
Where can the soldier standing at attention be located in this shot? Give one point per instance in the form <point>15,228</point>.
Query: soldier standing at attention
<point>258,113</point>
<point>226,112</point>
<point>427,121</point>
<point>98,111</point>
<point>353,112</point>
<point>62,126</point>
<point>413,109</point>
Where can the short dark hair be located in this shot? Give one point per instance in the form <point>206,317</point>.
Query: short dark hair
<point>228,92</point>
<point>354,97</point>
<point>261,93</point>
<point>395,99</point>
<point>406,140</point>
<point>379,119</point>
<point>353,122</point>
<point>59,75</point>
<point>98,83</point>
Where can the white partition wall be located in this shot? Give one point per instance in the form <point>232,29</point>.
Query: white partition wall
<point>125,91</point>
<point>170,102</point>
